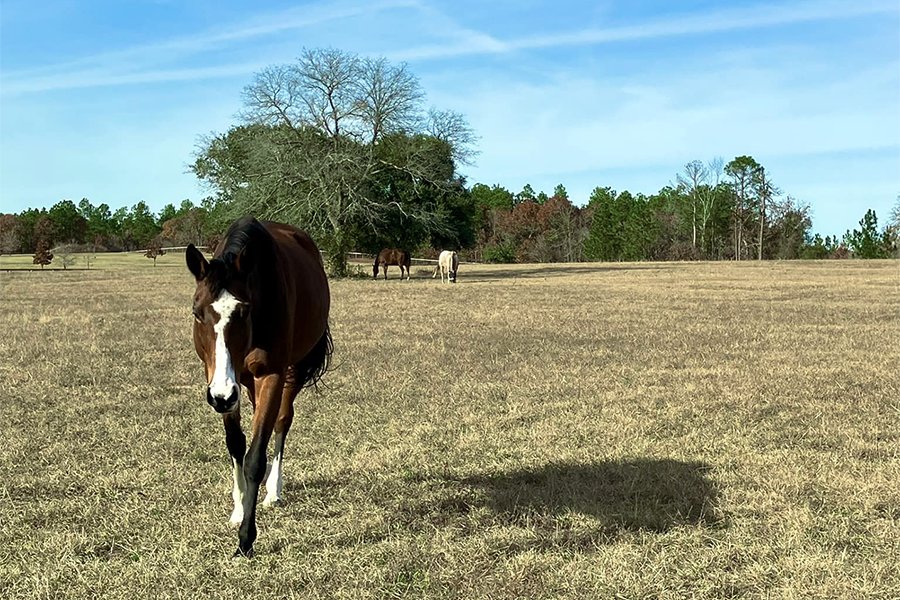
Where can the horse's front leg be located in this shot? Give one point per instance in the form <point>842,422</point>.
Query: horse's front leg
<point>268,402</point>
<point>237,447</point>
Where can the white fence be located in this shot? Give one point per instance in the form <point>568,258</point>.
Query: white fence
<point>357,255</point>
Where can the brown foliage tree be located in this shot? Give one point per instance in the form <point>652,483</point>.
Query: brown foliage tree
<point>42,256</point>
<point>155,249</point>
<point>550,232</point>
<point>44,230</point>
<point>211,242</point>
<point>186,228</point>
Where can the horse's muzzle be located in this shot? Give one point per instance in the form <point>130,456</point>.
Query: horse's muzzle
<point>224,405</point>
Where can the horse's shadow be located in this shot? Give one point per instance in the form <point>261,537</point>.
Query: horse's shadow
<point>564,504</point>
<point>476,274</point>
<point>559,506</point>
<point>643,494</point>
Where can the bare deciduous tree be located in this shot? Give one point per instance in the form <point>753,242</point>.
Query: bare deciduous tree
<point>695,175</point>
<point>344,121</point>
<point>765,192</point>
<point>66,255</point>
<point>10,233</point>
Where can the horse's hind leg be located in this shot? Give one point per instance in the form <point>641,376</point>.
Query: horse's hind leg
<point>274,481</point>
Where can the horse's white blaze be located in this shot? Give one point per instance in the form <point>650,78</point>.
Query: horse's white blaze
<point>223,381</point>
<point>274,483</point>
<point>237,494</point>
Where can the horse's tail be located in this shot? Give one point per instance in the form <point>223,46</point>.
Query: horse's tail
<point>377,256</point>
<point>315,364</point>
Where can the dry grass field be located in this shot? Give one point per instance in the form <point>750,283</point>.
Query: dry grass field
<point>576,431</point>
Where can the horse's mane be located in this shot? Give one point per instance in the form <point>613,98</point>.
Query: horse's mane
<point>245,235</point>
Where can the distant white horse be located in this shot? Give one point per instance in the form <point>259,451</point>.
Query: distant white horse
<point>448,261</point>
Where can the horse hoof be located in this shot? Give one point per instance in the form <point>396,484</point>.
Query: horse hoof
<point>277,502</point>
<point>241,554</point>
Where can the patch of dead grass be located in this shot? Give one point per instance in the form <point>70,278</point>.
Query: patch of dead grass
<point>571,431</point>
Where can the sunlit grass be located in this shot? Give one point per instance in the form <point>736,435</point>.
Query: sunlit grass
<point>99,261</point>
<point>545,431</point>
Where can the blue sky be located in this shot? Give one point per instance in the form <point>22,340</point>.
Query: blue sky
<point>106,99</point>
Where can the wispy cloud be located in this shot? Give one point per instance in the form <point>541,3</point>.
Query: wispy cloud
<point>163,61</point>
<point>669,118</point>
<point>716,22</point>
<point>144,63</point>
<point>100,77</point>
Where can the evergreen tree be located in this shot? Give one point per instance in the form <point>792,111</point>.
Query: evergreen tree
<point>866,242</point>
<point>525,195</point>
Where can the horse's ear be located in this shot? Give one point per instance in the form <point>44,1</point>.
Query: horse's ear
<point>196,262</point>
<point>243,262</point>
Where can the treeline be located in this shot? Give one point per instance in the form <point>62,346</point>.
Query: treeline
<point>713,211</point>
<point>100,229</point>
<point>703,216</point>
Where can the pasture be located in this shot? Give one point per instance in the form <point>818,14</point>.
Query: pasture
<point>651,430</point>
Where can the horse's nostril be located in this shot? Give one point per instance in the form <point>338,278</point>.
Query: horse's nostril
<point>209,398</point>
<point>233,397</point>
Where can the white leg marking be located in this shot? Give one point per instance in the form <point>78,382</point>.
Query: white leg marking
<point>223,381</point>
<point>240,486</point>
<point>275,483</point>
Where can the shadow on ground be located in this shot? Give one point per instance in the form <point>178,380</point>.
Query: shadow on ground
<point>650,494</point>
<point>548,503</point>
<point>474,274</point>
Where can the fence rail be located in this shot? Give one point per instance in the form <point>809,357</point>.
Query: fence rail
<point>357,255</point>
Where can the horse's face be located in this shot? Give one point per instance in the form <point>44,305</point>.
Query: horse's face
<point>222,333</point>
<point>452,276</point>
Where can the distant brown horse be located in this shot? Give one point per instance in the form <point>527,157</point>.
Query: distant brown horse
<point>392,256</point>
<point>261,320</point>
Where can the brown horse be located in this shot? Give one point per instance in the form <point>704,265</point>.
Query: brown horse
<point>392,256</point>
<point>261,320</point>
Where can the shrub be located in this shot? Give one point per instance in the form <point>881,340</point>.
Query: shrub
<point>500,253</point>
